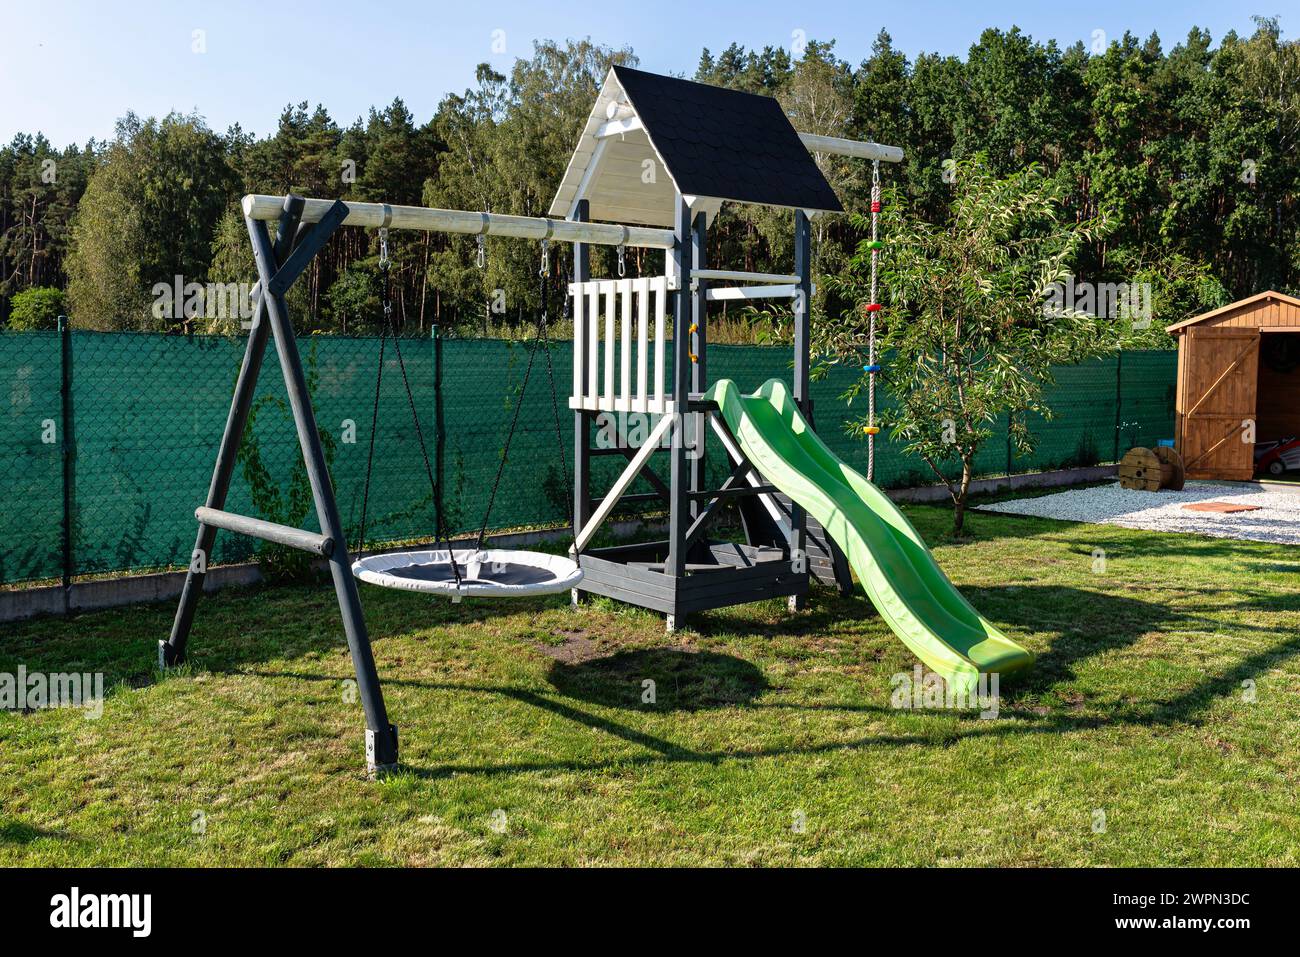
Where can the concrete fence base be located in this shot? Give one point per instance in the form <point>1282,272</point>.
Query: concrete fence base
<point>101,593</point>
<point>1008,483</point>
<point>18,604</point>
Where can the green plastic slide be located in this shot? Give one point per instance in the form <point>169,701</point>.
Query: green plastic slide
<point>899,574</point>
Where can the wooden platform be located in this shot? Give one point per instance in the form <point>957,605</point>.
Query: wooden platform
<point>718,574</point>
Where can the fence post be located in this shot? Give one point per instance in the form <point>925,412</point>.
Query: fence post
<point>1119,399</point>
<point>68,453</point>
<point>439,437</point>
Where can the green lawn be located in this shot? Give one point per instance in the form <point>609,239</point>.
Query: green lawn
<point>525,740</point>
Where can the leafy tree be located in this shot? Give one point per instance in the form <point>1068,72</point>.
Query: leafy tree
<point>766,71</point>
<point>148,215</point>
<point>39,190</point>
<point>1192,149</point>
<point>36,308</point>
<point>967,334</point>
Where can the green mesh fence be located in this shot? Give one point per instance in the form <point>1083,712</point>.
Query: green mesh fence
<point>31,457</point>
<point>147,413</point>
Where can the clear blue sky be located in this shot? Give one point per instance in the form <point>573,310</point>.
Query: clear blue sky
<point>71,67</point>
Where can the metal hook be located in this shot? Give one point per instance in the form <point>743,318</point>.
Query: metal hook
<point>480,258</point>
<point>546,258</point>
<point>622,263</point>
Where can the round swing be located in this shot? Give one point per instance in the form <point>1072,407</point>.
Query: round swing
<point>474,572</point>
<point>479,573</point>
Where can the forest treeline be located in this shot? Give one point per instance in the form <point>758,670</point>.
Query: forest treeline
<point>1190,153</point>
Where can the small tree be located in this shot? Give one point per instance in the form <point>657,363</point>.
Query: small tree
<point>37,308</point>
<point>966,330</point>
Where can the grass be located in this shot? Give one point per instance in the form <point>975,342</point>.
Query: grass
<point>525,739</point>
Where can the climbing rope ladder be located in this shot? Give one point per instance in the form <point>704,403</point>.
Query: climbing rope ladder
<point>872,368</point>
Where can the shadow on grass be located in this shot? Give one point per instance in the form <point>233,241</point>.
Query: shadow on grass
<point>661,748</point>
<point>280,624</point>
<point>19,832</point>
<point>681,680</point>
<point>607,686</point>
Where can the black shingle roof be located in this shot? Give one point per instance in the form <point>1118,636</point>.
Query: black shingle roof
<point>725,143</point>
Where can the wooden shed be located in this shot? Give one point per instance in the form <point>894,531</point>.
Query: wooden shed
<point>1238,383</point>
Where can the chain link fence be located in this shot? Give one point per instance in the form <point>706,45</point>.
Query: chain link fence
<point>110,439</point>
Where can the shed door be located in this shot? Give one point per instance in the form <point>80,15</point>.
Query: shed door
<point>1217,404</point>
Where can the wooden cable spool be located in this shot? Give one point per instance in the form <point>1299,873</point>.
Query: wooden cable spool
<point>1151,470</point>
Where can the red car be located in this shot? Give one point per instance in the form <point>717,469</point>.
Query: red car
<point>1278,457</point>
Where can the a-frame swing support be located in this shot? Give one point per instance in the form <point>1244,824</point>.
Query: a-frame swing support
<point>303,228</point>
<point>279,264</point>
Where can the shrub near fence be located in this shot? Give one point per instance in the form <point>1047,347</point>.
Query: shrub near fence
<point>110,438</point>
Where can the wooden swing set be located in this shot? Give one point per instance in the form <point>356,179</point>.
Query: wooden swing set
<point>654,163</point>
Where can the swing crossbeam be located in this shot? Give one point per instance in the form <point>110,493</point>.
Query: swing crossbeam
<point>382,215</point>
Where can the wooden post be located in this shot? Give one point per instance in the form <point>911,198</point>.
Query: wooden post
<point>802,309</point>
<point>381,737</point>
<point>581,422</point>
<point>699,370</point>
<point>679,515</point>
<point>171,652</point>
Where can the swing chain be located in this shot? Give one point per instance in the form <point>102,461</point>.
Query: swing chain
<point>541,341</point>
<point>385,262</point>
<point>546,260</point>
<point>384,265</point>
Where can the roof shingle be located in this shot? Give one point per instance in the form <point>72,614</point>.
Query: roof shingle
<point>725,143</point>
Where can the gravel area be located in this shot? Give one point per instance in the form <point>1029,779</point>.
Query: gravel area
<point>1277,520</point>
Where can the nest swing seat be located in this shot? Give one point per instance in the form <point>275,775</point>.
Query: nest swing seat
<point>475,572</point>
<point>479,573</point>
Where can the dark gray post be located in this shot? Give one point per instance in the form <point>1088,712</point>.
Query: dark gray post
<point>679,518</point>
<point>802,310</point>
<point>700,370</point>
<point>1119,404</point>
<point>172,651</point>
<point>581,436</point>
<point>68,445</point>
<point>440,436</point>
<point>381,737</point>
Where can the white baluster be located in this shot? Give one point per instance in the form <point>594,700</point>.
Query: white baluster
<point>625,346</point>
<point>661,300</point>
<point>642,341</point>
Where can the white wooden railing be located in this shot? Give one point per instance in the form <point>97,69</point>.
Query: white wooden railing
<point>620,326</point>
